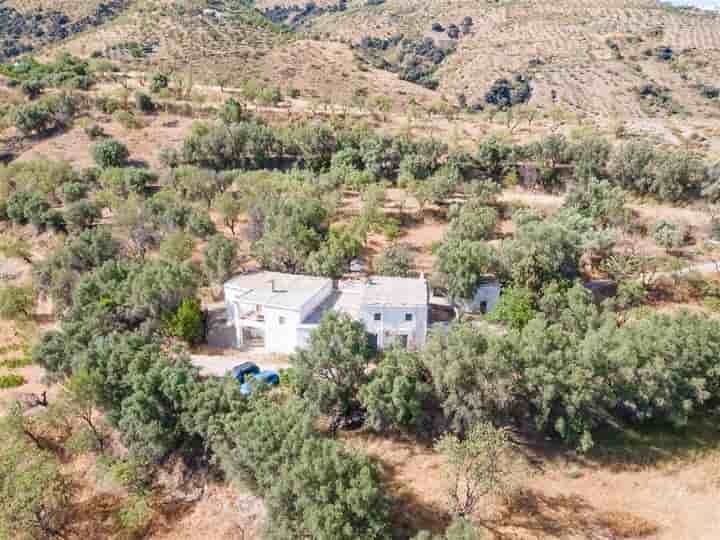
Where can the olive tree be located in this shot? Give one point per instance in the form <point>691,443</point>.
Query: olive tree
<point>328,493</point>
<point>219,259</point>
<point>397,396</point>
<point>397,260</point>
<point>333,367</point>
<point>462,265</point>
<point>479,465</point>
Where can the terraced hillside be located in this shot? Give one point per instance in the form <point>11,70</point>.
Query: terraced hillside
<point>632,61</point>
<point>210,39</point>
<point>632,58</point>
<point>226,42</point>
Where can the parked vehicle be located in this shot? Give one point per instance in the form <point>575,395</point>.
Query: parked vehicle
<point>267,377</point>
<point>240,372</point>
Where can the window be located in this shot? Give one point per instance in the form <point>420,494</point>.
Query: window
<point>377,317</point>
<point>483,307</point>
<point>281,320</point>
<point>408,317</point>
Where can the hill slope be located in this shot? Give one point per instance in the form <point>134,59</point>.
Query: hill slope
<point>593,58</point>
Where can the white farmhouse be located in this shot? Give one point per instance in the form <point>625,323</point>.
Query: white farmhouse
<point>279,311</point>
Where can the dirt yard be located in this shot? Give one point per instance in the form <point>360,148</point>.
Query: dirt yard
<point>562,498</point>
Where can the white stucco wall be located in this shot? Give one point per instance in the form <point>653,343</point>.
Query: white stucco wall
<point>393,323</point>
<point>281,338</point>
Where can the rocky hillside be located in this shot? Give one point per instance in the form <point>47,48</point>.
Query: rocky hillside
<point>27,25</point>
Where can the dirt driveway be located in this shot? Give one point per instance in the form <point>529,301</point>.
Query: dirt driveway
<point>221,365</point>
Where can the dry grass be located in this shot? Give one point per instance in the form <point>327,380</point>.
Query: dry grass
<point>596,502</point>
<point>626,525</point>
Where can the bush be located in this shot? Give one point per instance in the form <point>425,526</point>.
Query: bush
<point>200,224</point>
<point>32,88</point>
<point>94,131</point>
<point>11,381</point>
<point>135,515</point>
<point>158,82</point>
<point>35,496</point>
<point>668,234</point>
<point>33,118</point>
<point>233,112</point>
<point>505,93</point>
<point>27,207</point>
<point>108,105</point>
<point>516,308</point>
<point>111,153</point>
<point>177,247</point>
<point>81,215</point>
<point>144,102</point>
<point>127,119</point>
<point>16,302</point>
<point>54,219</point>
<point>187,323</point>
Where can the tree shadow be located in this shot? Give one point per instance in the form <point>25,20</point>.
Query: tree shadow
<point>94,518</point>
<point>622,447</point>
<point>138,164</point>
<point>562,516</point>
<point>411,513</point>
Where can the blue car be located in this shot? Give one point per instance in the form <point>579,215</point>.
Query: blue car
<point>243,370</point>
<point>267,377</point>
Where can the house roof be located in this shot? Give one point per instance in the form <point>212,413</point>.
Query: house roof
<point>389,291</point>
<point>289,291</point>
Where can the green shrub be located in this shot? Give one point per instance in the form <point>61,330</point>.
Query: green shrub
<point>110,153</point>
<point>94,131</point>
<point>144,102</point>
<point>127,119</point>
<point>72,192</point>
<point>516,308</point>
<point>135,515</point>
<point>16,302</point>
<point>54,219</point>
<point>668,234</point>
<point>201,225</point>
<point>81,215</point>
<point>108,105</point>
<point>11,381</point>
<point>27,207</point>
<point>32,88</point>
<point>33,118</point>
<point>177,247</point>
<point>187,323</point>
<point>158,82</point>
<point>14,363</point>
